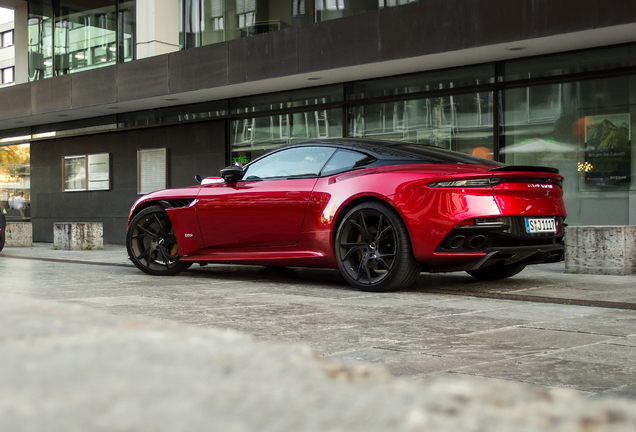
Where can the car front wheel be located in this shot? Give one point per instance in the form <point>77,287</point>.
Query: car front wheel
<point>152,245</point>
<point>373,249</point>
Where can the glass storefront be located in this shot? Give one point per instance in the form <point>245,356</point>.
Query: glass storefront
<point>15,182</point>
<point>75,36</point>
<point>583,128</point>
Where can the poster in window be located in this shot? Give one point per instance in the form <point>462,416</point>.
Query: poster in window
<point>608,150</point>
<point>74,173</point>
<point>99,171</point>
<point>151,170</point>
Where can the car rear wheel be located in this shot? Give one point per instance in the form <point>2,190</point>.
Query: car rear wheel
<point>373,249</point>
<point>152,245</point>
<point>2,239</point>
<point>497,271</point>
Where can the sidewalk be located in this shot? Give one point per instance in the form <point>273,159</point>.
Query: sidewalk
<point>89,343</point>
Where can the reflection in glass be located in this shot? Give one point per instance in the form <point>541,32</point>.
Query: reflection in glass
<point>75,173</point>
<point>456,122</point>
<point>253,137</point>
<point>77,36</point>
<point>288,99</point>
<point>204,22</point>
<point>15,182</point>
<point>583,129</point>
<point>574,62</point>
<point>423,82</point>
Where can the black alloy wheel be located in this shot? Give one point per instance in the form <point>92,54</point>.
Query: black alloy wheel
<point>497,271</point>
<point>152,245</point>
<point>373,249</point>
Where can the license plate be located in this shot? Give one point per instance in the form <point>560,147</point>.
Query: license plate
<point>540,226</point>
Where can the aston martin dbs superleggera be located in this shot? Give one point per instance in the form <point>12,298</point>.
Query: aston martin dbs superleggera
<point>380,212</point>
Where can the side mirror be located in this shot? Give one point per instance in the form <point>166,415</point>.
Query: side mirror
<point>197,177</point>
<point>232,173</point>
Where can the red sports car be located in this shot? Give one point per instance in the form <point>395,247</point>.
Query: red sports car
<point>379,211</point>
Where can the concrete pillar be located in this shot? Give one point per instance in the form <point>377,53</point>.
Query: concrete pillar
<point>608,250</point>
<point>78,235</point>
<point>157,27</point>
<point>19,234</point>
<point>21,40</point>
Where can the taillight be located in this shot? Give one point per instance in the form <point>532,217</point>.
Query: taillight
<point>479,182</point>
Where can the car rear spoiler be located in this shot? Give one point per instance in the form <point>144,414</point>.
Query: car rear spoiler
<point>528,168</point>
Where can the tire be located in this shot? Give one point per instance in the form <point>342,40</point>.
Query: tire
<point>152,245</point>
<point>2,240</point>
<point>373,249</point>
<point>497,272</point>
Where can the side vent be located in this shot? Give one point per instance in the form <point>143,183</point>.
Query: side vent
<point>177,202</point>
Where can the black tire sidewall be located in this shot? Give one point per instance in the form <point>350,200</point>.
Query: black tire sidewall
<point>179,267</point>
<point>405,268</point>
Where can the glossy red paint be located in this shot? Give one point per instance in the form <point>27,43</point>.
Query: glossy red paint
<point>293,221</point>
<point>282,221</point>
<point>253,213</point>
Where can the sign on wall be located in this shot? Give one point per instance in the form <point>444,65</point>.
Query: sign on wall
<point>99,171</point>
<point>86,172</point>
<point>608,149</point>
<point>151,170</point>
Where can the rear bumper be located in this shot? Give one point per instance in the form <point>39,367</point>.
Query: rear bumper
<point>536,254</point>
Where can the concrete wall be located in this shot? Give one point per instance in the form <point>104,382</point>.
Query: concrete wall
<point>192,149</point>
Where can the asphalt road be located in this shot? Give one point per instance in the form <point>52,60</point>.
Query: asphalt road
<point>445,324</point>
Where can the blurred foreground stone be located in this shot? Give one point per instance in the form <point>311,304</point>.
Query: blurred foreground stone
<point>69,368</point>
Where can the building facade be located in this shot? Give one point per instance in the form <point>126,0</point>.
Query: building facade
<point>116,98</point>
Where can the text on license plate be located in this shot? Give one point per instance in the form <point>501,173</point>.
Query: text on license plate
<point>540,225</point>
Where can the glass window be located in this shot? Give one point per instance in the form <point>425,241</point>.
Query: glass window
<point>422,82</point>
<point>7,38</point>
<point>344,160</point>
<point>575,62</point>
<point>7,75</point>
<point>204,22</point>
<point>302,162</point>
<point>290,99</point>
<point>40,34</point>
<point>462,122</point>
<point>15,182</point>
<point>79,35</point>
<point>174,114</point>
<point>583,129</point>
<point>255,136</point>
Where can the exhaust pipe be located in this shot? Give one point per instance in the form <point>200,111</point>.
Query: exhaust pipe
<point>456,242</point>
<point>475,242</point>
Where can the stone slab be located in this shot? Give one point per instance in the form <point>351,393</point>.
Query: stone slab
<point>78,235</point>
<point>19,234</point>
<point>605,250</point>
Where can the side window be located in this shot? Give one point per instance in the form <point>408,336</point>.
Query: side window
<point>345,160</point>
<point>300,162</point>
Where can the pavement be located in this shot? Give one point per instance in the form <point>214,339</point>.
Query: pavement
<point>88,342</point>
